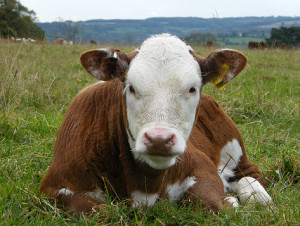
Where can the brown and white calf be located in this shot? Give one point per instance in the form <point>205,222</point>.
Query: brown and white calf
<point>148,133</point>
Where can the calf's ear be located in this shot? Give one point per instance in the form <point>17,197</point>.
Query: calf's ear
<point>220,66</point>
<point>106,64</point>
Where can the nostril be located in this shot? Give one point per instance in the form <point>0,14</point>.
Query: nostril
<point>147,139</point>
<point>170,141</point>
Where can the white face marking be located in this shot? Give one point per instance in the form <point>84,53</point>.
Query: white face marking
<point>141,198</point>
<point>251,191</point>
<point>162,75</point>
<point>65,191</point>
<point>97,194</point>
<point>230,157</point>
<point>175,191</point>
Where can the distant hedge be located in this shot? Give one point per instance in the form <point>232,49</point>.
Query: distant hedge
<point>288,35</point>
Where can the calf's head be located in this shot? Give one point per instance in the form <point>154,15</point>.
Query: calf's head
<point>162,85</point>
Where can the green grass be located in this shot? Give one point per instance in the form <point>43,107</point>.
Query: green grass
<point>37,84</point>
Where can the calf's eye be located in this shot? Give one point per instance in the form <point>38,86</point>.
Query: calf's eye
<point>131,90</point>
<point>192,90</point>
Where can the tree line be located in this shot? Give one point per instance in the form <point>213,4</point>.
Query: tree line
<point>199,39</point>
<point>288,35</point>
<point>16,20</point>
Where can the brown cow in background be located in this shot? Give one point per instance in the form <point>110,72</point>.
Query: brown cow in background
<point>263,45</point>
<point>93,42</point>
<point>209,44</point>
<point>61,41</point>
<point>283,46</point>
<point>258,45</point>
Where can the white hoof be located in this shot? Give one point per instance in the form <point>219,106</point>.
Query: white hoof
<point>233,201</point>
<point>251,191</point>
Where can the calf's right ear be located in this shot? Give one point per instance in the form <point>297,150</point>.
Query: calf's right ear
<point>106,64</point>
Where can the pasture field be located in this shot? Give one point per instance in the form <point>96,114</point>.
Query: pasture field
<point>37,84</point>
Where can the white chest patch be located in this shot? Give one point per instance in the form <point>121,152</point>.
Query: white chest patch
<point>230,157</point>
<point>175,191</point>
<point>141,198</point>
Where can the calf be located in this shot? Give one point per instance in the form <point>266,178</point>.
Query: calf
<point>146,132</point>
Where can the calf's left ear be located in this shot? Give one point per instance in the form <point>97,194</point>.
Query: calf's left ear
<point>220,66</point>
<point>106,64</point>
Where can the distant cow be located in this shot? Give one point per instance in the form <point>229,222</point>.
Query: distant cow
<point>263,45</point>
<point>148,133</point>
<point>93,42</point>
<point>283,46</point>
<point>61,41</point>
<point>253,45</point>
<point>257,45</point>
<point>209,44</point>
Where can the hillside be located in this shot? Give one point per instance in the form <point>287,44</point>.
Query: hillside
<point>134,31</point>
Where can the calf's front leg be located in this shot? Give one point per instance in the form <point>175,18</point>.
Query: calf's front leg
<point>208,187</point>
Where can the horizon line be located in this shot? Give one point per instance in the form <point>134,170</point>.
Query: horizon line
<point>62,20</point>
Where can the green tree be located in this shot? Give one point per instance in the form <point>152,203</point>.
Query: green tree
<point>289,36</point>
<point>17,20</point>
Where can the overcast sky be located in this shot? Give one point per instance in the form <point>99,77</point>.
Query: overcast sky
<point>52,10</point>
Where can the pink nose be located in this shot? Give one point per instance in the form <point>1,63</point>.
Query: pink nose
<point>159,136</point>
